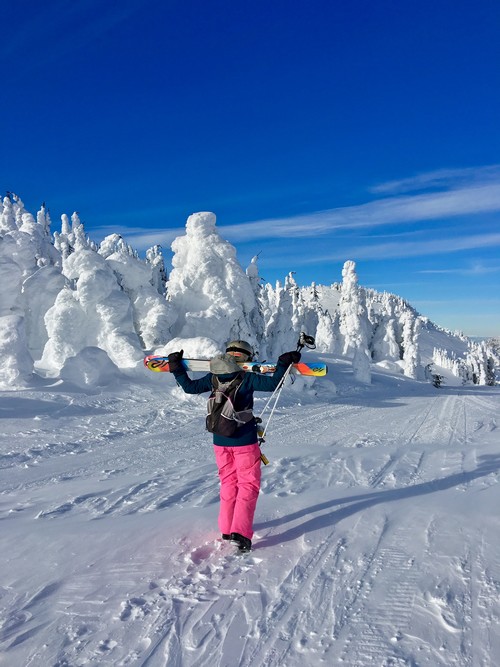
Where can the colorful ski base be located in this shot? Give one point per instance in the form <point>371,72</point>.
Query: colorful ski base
<point>159,364</point>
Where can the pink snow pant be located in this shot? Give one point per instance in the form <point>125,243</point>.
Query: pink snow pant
<point>239,473</point>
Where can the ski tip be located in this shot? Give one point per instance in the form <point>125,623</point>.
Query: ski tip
<point>156,364</point>
<point>313,370</point>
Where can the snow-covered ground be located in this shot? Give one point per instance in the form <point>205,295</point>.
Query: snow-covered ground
<point>377,530</point>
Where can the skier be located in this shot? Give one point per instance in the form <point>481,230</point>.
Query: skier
<point>237,455</point>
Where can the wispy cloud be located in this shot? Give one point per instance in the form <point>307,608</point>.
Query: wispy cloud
<point>394,210</point>
<point>387,251</point>
<point>482,197</point>
<point>476,270</point>
<point>383,251</point>
<point>440,178</point>
<point>469,304</point>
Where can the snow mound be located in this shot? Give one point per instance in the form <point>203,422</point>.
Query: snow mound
<point>391,366</point>
<point>91,367</point>
<point>194,348</point>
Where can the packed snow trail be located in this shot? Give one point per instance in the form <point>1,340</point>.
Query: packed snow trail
<point>377,535</point>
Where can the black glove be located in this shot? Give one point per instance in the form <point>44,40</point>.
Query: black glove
<point>288,358</point>
<point>175,361</point>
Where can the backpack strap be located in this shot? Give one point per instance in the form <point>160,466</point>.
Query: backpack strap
<point>238,381</point>
<point>239,378</point>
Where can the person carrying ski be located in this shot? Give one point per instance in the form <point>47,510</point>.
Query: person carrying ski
<point>238,454</point>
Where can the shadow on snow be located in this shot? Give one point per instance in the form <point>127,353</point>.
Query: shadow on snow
<point>490,464</point>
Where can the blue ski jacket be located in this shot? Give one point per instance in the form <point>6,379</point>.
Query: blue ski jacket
<point>247,433</point>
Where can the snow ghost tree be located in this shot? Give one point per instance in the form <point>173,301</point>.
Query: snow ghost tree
<point>91,311</point>
<point>384,344</point>
<point>256,316</point>
<point>481,364</point>
<point>152,314</point>
<point>326,337</point>
<point>280,334</point>
<point>354,324</point>
<point>208,287</point>
<point>253,275</point>
<point>16,361</point>
<point>411,353</point>
<point>304,314</point>
<point>25,250</point>
<point>154,256</point>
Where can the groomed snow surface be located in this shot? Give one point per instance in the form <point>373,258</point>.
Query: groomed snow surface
<point>377,530</point>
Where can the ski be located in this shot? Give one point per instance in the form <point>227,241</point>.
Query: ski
<point>159,364</point>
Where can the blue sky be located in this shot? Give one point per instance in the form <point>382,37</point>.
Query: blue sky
<point>316,131</point>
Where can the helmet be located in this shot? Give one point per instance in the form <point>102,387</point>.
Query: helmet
<point>240,347</point>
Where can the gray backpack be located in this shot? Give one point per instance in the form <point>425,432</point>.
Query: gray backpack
<point>222,418</point>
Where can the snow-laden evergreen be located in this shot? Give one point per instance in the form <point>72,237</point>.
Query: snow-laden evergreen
<point>279,331</point>
<point>354,323</point>
<point>257,318</point>
<point>61,294</point>
<point>92,310</point>
<point>411,355</point>
<point>209,290</point>
<point>142,284</point>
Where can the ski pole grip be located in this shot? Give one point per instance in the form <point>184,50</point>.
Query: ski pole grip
<point>305,341</point>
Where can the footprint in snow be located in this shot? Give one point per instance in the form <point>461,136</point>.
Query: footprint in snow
<point>134,608</point>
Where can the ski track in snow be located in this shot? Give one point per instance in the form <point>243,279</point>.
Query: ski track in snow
<point>360,557</point>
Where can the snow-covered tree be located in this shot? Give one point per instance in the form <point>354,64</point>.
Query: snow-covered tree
<point>208,287</point>
<point>481,364</point>
<point>24,251</point>
<point>435,378</point>
<point>354,324</point>
<point>256,316</point>
<point>280,333</point>
<point>326,332</point>
<point>159,276</point>
<point>411,353</point>
<point>305,311</point>
<point>39,293</point>
<point>384,344</point>
<point>153,316</point>
<point>91,311</point>
<point>16,363</point>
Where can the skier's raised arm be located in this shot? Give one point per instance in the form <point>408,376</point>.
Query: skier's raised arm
<point>176,367</point>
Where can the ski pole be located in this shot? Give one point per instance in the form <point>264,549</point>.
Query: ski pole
<point>262,432</point>
<point>278,389</point>
<point>304,341</point>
